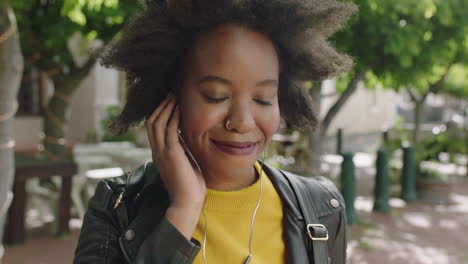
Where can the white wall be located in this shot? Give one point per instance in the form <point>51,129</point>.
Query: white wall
<point>82,120</point>
<point>107,94</point>
<point>365,111</point>
<point>27,131</point>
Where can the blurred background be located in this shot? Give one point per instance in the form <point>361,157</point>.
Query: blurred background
<point>393,131</point>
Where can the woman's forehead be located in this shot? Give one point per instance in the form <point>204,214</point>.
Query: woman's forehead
<point>231,50</point>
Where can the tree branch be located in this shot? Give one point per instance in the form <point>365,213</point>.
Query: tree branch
<point>350,89</point>
<point>413,96</point>
<point>437,86</point>
<point>77,75</point>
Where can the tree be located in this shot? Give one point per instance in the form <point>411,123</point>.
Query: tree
<point>457,86</point>
<point>433,39</point>
<point>399,44</point>
<point>46,28</point>
<point>11,68</point>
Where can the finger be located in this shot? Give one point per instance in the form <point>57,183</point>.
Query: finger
<point>151,119</point>
<point>172,135</point>
<point>160,125</point>
<point>158,110</point>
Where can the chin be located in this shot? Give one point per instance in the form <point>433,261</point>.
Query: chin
<point>231,161</point>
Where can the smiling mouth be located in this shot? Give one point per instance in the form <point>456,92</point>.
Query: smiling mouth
<point>235,148</point>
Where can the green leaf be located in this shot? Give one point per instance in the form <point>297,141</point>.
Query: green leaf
<point>77,16</point>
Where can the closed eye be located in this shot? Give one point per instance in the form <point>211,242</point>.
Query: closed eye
<point>262,102</point>
<point>215,99</point>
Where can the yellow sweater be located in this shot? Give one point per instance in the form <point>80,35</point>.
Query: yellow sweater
<point>229,216</point>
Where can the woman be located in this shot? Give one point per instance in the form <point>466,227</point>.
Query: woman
<point>211,80</point>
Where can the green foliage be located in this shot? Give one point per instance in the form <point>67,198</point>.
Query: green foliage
<point>406,43</point>
<point>450,141</point>
<point>432,175</point>
<point>457,81</point>
<point>47,25</point>
<point>365,245</point>
<point>399,136</point>
<point>394,173</point>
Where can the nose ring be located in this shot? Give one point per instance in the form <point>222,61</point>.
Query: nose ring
<point>226,125</point>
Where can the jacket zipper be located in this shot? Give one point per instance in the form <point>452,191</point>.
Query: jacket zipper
<point>118,200</point>
<point>121,211</point>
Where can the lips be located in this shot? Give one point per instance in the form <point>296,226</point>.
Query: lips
<point>235,147</point>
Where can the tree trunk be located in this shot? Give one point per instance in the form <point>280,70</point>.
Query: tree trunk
<point>11,69</point>
<point>418,106</point>
<point>55,118</point>
<point>335,109</point>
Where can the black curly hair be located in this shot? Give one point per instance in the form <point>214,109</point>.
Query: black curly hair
<point>154,44</point>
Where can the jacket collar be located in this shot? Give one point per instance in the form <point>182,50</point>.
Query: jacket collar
<point>145,176</point>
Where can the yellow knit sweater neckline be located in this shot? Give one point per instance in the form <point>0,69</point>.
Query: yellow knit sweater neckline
<point>229,216</point>
<point>238,200</point>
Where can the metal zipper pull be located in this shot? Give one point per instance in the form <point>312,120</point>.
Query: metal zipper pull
<point>119,199</point>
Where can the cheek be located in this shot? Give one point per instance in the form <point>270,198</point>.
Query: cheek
<point>269,123</point>
<point>197,119</point>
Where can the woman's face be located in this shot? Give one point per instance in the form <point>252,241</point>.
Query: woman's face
<point>230,74</point>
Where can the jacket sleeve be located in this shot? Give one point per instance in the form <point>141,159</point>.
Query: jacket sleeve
<point>167,245</point>
<point>99,236</point>
<point>100,241</point>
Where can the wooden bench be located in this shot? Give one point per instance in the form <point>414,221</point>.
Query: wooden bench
<point>28,167</point>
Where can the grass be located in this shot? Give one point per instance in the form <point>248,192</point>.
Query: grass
<point>367,225</point>
<point>364,245</point>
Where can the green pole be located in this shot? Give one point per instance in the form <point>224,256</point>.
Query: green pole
<point>339,141</point>
<point>408,176</point>
<point>348,186</point>
<point>385,137</point>
<point>381,191</point>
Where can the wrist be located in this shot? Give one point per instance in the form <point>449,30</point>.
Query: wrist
<point>185,219</point>
<point>188,205</point>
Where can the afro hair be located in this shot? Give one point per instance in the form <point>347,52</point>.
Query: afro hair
<point>154,44</point>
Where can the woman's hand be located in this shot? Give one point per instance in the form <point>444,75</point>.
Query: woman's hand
<point>185,185</point>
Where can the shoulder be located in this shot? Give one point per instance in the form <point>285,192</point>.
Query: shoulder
<point>324,191</point>
<point>326,196</point>
<point>131,184</point>
<point>136,179</point>
<point>322,186</point>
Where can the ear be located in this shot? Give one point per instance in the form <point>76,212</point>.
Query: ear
<point>176,89</point>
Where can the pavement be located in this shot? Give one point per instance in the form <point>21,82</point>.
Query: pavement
<point>412,233</point>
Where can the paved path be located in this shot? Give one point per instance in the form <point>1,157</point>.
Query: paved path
<point>415,233</point>
<point>42,248</point>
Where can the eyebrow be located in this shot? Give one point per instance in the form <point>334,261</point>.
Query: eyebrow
<point>212,78</point>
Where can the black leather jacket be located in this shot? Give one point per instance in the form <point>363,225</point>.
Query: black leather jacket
<point>135,230</point>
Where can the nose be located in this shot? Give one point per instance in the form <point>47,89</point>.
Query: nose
<point>241,118</point>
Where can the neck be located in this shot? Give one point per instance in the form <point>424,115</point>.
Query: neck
<point>230,179</point>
